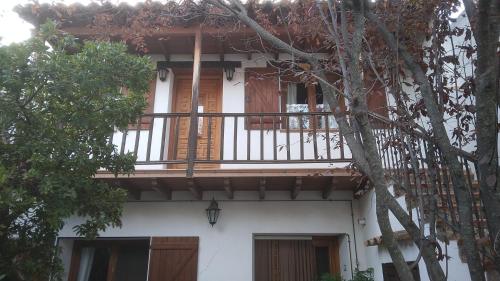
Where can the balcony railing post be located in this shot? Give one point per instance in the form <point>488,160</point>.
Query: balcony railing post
<point>163,137</point>
<point>193,124</point>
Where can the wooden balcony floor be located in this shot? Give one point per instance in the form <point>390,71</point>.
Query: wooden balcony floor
<point>230,180</point>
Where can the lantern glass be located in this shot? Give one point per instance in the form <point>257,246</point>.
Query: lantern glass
<point>229,72</point>
<point>162,74</point>
<point>213,212</point>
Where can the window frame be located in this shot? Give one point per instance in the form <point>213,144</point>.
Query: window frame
<point>113,243</point>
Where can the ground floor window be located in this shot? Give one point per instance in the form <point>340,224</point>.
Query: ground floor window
<point>110,260</point>
<point>295,259</point>
<point>390,273</point>
<point>152,259</point>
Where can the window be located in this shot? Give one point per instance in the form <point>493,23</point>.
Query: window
<point>110,260</point>
<point>299,259</point>
<point>322,260</point>
<point>168,258</point>
<point>302,98</point>
<point>390,273</point>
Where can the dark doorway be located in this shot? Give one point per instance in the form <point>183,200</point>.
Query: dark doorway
<point>390,273</point>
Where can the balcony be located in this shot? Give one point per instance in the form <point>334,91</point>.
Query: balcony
<point>281,152</point>
<point>242,151</point>
<point>225,139</point>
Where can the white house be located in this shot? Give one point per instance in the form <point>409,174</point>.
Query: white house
<point>266,149</point>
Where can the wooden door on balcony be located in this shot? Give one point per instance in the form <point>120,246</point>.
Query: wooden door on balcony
<point>210,100</point>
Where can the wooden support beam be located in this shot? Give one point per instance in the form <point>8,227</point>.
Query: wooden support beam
<point>204,64</point>
<point>133,191</point>
<point>329,188</point>
<point>228,188</point>
<point>262,188</point>
<point>297,187</point>
<point>194,188</point>
<point>161,188</point>
<point>193,125</point>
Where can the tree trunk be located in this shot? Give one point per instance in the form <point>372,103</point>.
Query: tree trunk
<point>486,35</point>
<point>365,158</point>
<point>462,194</point>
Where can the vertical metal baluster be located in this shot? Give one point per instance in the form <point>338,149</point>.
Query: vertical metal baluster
<point>150,139</point>
<point>261,138</point>
<point>315,140</point>
<point>222,127</point>
<point>288,137</point>
<point>275,150</point>
<point>176,137</point>
<point>383,151</point>
<point>327,137</point>
<point>235,138</point>
<point>391,150</point>
<point>124,139</point>
<point>247,121</point>
<point>301,131</point>
<point>341,145</point>
<point>137,135</point>
<point>163,141</point>
<point>209,136</point>
<point>397,151</point>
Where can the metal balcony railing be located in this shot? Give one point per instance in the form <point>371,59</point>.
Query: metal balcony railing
<point>416,165</point>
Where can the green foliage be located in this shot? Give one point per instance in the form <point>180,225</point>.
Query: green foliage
<point>366,275</point>
<point>59,104</point>
<point>330,277</point>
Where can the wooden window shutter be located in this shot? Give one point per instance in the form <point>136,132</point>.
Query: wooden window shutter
<point>173,259</point>
<point>376,98</point>
<point>333,79</point>
<point>261,95</point>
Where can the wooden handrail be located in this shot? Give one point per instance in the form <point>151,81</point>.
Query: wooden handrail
<point>299,137</point>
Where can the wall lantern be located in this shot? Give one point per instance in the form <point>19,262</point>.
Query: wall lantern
<point>213,212</point>
<point>229,72</point>
<point>162,70</point>
<point>162,73</point>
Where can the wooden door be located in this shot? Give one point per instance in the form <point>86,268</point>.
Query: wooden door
<point>173,259</point>
<point>331,244</point>
<point>210,100</point>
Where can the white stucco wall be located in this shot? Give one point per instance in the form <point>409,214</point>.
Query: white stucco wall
<point>226,250</point>
<point>376,256</point>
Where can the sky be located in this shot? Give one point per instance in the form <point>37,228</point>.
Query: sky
<point>14,29</point>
